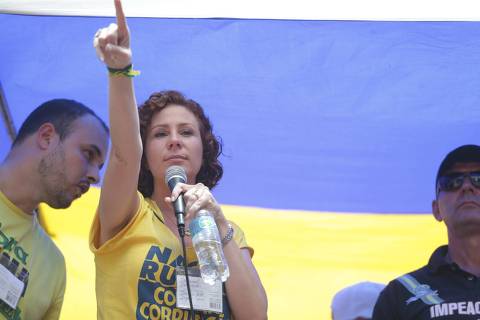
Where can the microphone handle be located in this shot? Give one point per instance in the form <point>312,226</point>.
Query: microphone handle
<point>179,207</point>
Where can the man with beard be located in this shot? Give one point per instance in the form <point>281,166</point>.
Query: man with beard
<point>448,287</point>
<point>57,154</point>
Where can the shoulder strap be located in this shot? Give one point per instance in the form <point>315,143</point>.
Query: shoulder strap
<point>420,291</point>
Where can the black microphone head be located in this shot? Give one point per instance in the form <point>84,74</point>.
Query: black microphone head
<point>174,175</point>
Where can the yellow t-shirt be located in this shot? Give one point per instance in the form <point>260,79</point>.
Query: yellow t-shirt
<point>30,255</point>
<point>135,270</point>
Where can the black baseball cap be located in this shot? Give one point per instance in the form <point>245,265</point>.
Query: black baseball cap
<point>462,154</point>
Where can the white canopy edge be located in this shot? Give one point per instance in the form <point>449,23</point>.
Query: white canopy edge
<point>387,10</point>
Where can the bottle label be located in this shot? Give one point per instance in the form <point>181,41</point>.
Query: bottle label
<point>204,296</point>
<point>200,223</point>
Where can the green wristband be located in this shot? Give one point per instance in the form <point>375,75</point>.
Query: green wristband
<point>126,72</point>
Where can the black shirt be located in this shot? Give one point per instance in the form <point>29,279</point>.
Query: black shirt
<point>459,290</point>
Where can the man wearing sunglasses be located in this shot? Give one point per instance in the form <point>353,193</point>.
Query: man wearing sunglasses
<point>448,287</point>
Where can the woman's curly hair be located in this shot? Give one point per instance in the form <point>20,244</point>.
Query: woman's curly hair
<point>211,170</point>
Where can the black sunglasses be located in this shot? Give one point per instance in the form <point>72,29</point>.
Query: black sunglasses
<point>454,181</point>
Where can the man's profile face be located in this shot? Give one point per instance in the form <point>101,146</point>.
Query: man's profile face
<point>460,209</point>
<point>69,169</point>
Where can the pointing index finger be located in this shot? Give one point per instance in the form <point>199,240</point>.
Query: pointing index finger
<point>121,20</point>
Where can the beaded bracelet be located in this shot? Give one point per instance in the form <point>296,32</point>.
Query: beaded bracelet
<point>126,72</point>
<point>228,236</point>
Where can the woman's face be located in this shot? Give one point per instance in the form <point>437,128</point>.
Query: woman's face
<point>174,139</point>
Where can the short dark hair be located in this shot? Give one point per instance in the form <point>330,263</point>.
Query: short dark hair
<point>59,112</point>
<point>211,170</point>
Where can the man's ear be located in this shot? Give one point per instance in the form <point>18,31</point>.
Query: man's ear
<point>436,211</point>
<point>46,136</point>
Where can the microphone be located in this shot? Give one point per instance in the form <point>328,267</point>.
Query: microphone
<point>174,175</point>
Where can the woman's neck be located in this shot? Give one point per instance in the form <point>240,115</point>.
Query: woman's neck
<point>160,192</point>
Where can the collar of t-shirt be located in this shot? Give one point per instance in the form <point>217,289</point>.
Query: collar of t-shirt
<point>441,261</point>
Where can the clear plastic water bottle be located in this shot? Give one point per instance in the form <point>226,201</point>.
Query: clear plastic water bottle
<point>208,247</point>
